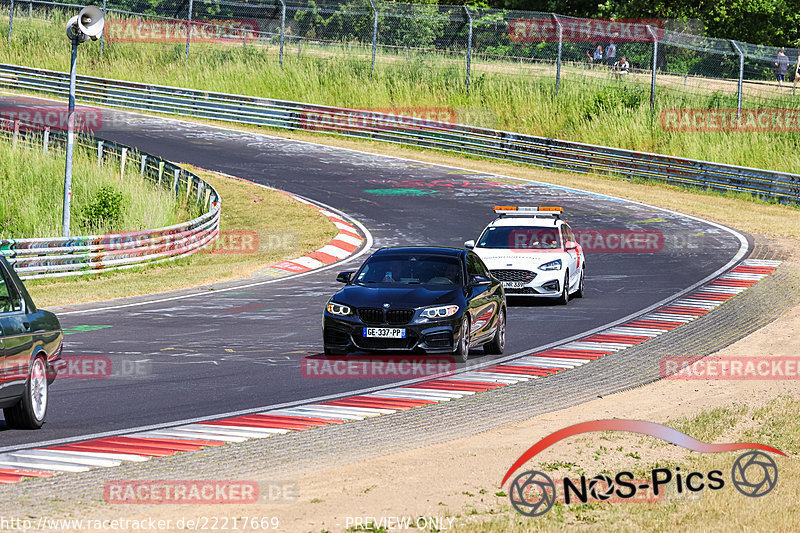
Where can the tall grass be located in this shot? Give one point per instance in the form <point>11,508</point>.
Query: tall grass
<point>588,109</point>
<point>32,192</point>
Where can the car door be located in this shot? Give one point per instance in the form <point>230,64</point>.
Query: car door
<point>17,339</point>
<point>574,258</point>
<point>483,300</point>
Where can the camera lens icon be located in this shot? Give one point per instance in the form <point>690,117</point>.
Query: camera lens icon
<point>532,493</point>
<point>754,474</point>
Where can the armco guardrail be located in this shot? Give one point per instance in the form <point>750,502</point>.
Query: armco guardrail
<point>506,146</point>
<point>57,256</point>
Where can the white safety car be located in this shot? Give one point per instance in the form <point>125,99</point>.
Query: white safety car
<point>533,252</point>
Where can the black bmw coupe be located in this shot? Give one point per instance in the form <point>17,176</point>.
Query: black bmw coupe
<point>404,299</point>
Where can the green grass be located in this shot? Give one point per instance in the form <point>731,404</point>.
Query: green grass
<point>32,193</point>
<point>588,109</point>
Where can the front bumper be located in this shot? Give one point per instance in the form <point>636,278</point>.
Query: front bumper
<point>545,284</point>
<point>346,334</point>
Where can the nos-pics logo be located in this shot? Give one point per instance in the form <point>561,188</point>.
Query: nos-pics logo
<point>533,493</point>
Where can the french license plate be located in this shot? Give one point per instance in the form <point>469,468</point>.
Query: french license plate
<point>513,284</point>
<point>385,333</point>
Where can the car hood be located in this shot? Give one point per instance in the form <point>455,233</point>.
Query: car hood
<point>397,297</point>
<point>501,259</point>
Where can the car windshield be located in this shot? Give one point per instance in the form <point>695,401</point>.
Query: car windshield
<point>411,270</point>
<point>520,238</point>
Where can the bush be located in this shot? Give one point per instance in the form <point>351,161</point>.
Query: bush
<point>105,208</point>
<point>613,98</point>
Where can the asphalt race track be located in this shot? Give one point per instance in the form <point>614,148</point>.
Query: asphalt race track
<point>241,349</point>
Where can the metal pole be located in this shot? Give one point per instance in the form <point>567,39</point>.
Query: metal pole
<point>560,44</point>
<point>469,44</point>
<point>189,28</point>
<point>653,78</point>
<point>103,34</point>
<point>70,140</point>
<point>10,21</point>
<point>374,32</point>
<point>283,31</point>
<point>30,10</point>
<point>741,78</point>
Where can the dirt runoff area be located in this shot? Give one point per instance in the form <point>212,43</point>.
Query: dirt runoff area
<point>456,485</point>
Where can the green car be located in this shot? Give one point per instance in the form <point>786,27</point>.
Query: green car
<point>30,353</point>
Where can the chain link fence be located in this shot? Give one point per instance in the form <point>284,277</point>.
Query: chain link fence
<point>462,42</point>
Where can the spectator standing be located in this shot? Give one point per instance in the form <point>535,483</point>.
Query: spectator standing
<point>782,64</point>
<point>611,54</point>
<point>597,56</point>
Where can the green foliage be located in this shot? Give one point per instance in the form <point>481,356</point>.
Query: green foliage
<point>104,209</point>
<point>623,97</point>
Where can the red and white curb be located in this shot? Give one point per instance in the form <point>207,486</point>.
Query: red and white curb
<point>137,447</point>
<point>345,244</point>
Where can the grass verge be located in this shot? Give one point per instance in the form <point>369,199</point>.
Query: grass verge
<point>587,109</point>
<point>776,424</point>
<point>32,193</point>
<point>259,228</point>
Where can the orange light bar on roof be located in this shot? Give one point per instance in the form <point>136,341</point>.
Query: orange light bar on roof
<point>526,209</point>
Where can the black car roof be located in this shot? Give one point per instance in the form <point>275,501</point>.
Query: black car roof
<point>431,250</point>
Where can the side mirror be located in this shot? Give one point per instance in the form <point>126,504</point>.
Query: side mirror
<point>571,245</point>
<point>477,279</point>
<point>469,244</point>
<point>344,277</point>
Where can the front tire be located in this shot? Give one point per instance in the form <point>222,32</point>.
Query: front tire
<point>579,292</point>
<point>461,353</point>
<point>31,410</point>
<point>498,342</point>
<point>564,298</point>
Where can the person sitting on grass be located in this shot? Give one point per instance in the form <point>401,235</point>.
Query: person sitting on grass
<point>621,67</point>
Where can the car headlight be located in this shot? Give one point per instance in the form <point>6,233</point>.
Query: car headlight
<point>439,312</point>
<point>338,309</point>
<point>552,265</point>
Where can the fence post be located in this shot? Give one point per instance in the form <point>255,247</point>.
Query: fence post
<point>100,153</point>
<point>10,21</point>
<point>374,32</point>
<point>123,158</point>
<point>560,44</point>
<point>299,47</point>
<point>653,77</point>
<point>16,132</point>
<point>45,140</point>
<point>189,28</point>
<point>30,10</point>
<point>741,78</point>
<point>143,165</point>
<point>103,33</point>
<point>283,31</point>
<point>469,44</point>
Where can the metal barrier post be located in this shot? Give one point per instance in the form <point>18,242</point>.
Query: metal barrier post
<point>103,34</point>
<point>45,140</point>
<point>741,78</point>
<point>283,31</point>
<point>10,21</point>
<point>374,32</point>
<point>189,29</point>
<point>122,160</point>
<point>143,164</point>
<point>653,77</point>
<point>560,44</point>
<point>469,44</point>
<point>99,153</point>
<point>16,133</point>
